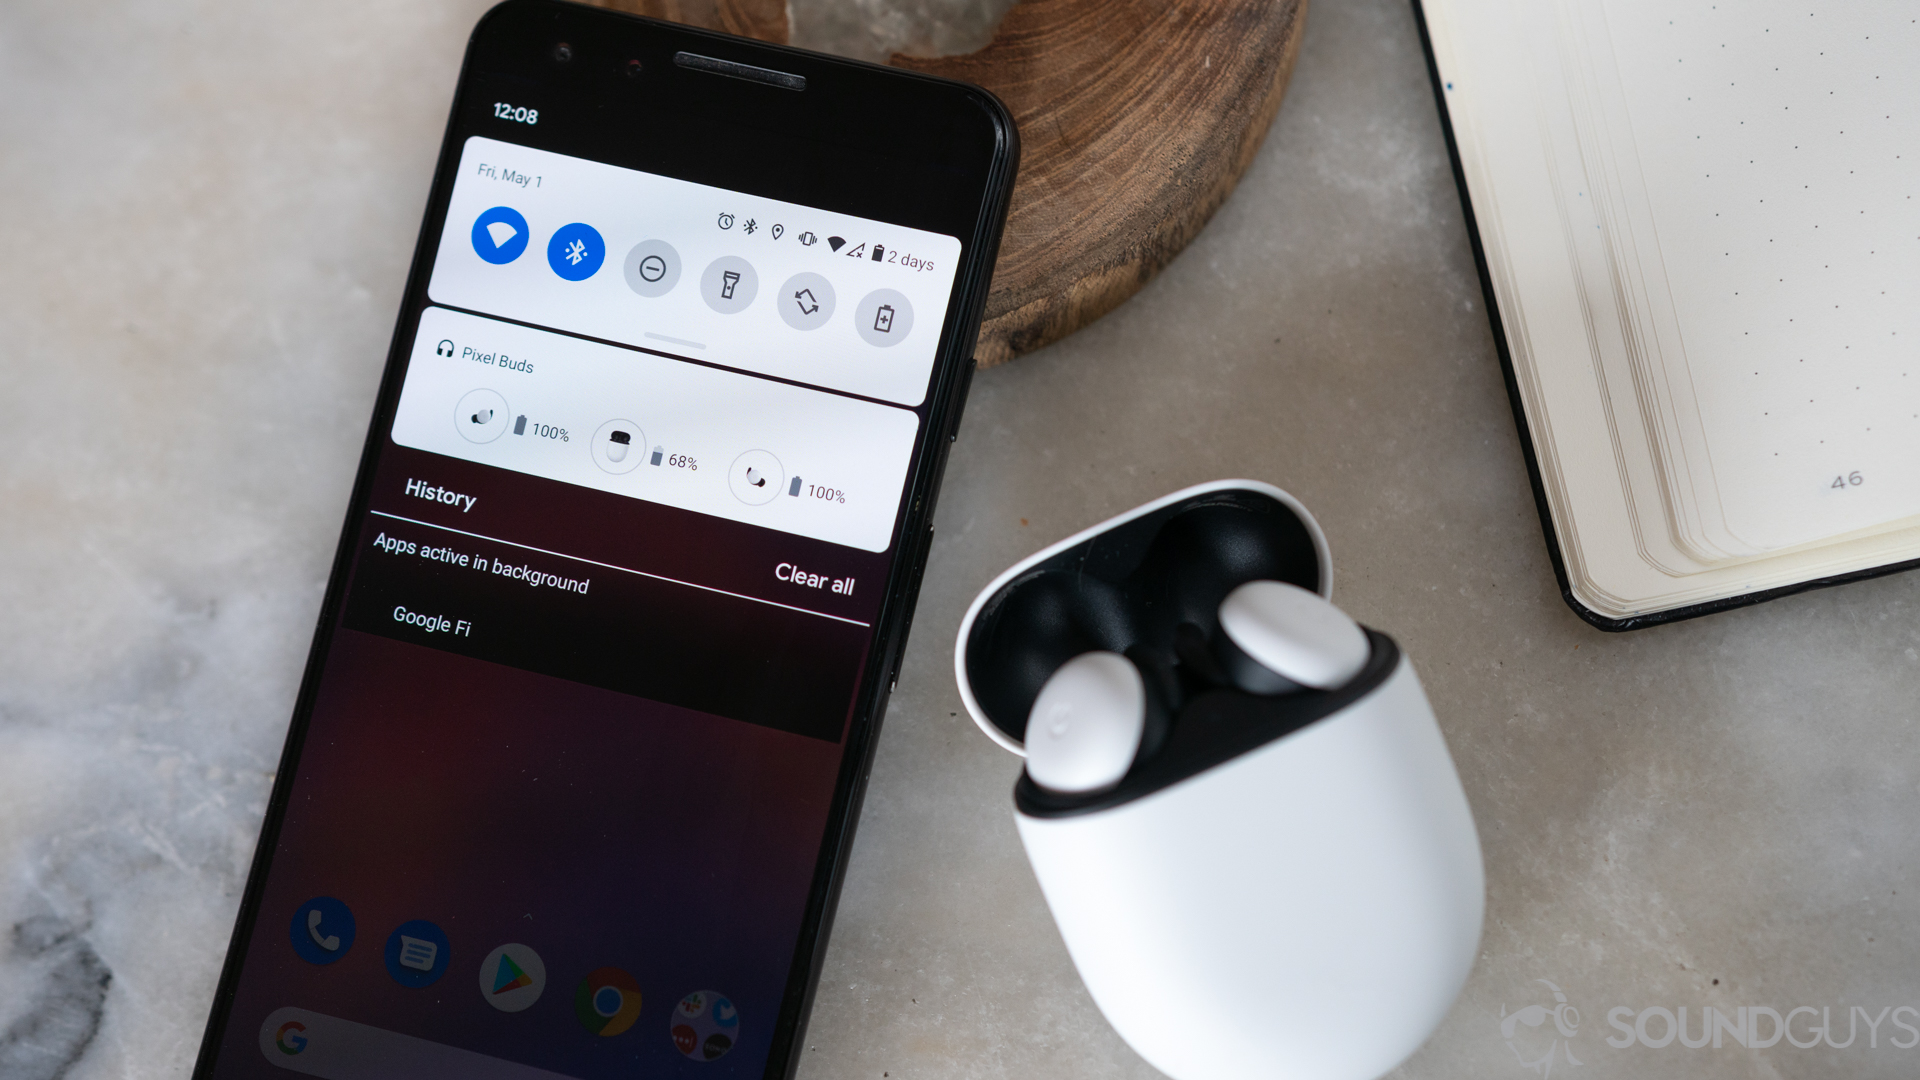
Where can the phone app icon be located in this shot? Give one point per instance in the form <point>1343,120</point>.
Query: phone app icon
<point>512,977</point>
<point>576,251</point>
<point>704,1025</point>
<point>417,953</point>
<point>500,235</point>
<point>607,1001</point>
<point>322,930</point>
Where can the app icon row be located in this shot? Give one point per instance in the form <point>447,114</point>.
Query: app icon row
<point>729,284</point>
<point>703,1026</point>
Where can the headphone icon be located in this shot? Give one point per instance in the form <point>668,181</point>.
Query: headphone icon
<point>445,348</point>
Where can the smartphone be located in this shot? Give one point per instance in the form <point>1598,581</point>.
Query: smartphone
<point>629,564</point>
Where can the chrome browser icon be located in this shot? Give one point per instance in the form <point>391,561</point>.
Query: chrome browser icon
<point>607,1001</point>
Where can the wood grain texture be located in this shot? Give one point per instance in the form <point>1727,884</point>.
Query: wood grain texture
<point>763,19</point>
<point>1136,119</point>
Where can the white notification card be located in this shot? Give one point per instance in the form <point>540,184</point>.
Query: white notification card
<point>713,275</point>
<point>700,438</point>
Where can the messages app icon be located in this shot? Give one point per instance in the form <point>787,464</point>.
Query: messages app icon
<point>417,953</point>
<point>500,235</point>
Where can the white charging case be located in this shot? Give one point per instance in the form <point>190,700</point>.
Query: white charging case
<point>1288,887</point>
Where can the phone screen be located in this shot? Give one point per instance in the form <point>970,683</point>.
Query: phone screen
<point>576,742</point>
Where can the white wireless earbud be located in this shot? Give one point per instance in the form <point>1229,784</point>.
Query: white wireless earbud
<point>1087,723</point>
<point>1297,637</point>
<point>1090,719</point>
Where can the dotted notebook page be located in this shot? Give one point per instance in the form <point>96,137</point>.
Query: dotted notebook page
<point>1779,145</point>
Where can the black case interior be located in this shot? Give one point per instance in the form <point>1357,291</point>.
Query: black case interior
<point>1150,588</point>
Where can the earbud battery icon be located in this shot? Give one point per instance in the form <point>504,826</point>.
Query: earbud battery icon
<point>658,453</point>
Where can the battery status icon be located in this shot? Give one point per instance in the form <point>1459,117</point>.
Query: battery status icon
<point>658,453</point>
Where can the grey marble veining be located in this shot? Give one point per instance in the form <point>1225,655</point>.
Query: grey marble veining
<point>208,214</point>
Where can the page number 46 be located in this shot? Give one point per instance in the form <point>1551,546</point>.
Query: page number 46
<point>1852,479</point>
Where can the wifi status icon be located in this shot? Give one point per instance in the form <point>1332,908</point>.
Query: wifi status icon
<point>836,242</point>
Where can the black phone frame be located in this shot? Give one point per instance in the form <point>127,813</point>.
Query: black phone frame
<point>602,43</point>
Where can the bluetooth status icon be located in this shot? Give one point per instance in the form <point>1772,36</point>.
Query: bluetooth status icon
<point>749,225</point>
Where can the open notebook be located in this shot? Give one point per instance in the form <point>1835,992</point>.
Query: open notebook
<point>1699,232</point>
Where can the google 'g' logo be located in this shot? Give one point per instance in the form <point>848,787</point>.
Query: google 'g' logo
<point>607,1001</point>
<point>289,1039</point>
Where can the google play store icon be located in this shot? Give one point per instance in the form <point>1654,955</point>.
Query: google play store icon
<point>511,978</point>
<point>508,976</point>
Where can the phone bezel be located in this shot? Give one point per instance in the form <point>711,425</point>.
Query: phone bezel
<point>940,410</point>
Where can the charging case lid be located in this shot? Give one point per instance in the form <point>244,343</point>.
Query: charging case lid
<point>1180,549</point>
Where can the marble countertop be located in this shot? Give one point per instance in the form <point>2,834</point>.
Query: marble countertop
<point>209,210</point>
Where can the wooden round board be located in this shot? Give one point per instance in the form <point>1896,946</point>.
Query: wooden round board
<point>1136,119</point>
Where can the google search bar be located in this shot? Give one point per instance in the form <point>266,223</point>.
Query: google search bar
<point>336,1049</point>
